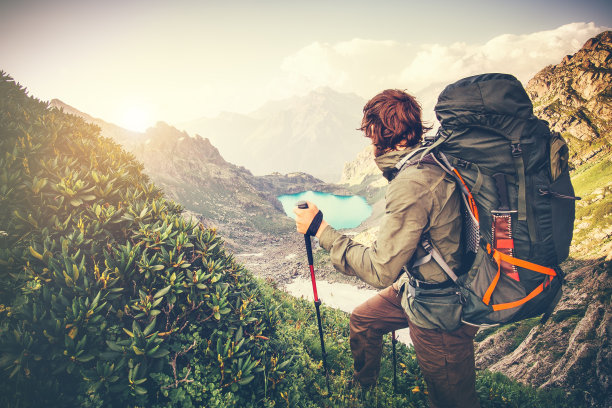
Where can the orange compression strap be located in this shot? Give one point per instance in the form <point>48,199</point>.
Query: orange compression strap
<point>498,256</point>
<point>469,195</point>
<point>505,244</point>
<point>527,265</point>
<point>510,305</point>
<point>487,296</point>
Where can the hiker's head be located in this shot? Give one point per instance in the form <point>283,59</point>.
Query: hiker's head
<point>392,118</point>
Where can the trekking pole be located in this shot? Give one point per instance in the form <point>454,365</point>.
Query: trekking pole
<point>393,342</point>
<point>317,301</point>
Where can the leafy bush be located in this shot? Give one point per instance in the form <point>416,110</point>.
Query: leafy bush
<point>109,297</point>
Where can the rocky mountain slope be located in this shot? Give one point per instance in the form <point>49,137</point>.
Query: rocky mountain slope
<point>361,167</point>
<point>315,134</point>
<point>575,97</point>
<point>192,172</point>
<point>124,137</point>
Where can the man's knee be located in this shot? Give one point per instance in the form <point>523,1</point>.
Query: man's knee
<point>358,320</point>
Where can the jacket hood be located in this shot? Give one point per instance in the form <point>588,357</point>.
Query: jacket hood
<point>386,162</point>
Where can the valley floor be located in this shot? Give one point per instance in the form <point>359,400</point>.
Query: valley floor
<point>283,263</point>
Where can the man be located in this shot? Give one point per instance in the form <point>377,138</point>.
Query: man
<point>420,199</point>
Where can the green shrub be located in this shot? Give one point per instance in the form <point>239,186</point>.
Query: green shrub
<point>109,297</point>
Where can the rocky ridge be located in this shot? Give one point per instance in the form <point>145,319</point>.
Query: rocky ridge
<point>361,167</point>
<point>244,207</point>
<point>124,137</point>
<point>575,97</point>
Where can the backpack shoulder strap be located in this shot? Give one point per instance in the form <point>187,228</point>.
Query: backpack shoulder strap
<point>469,216</point>
<point>406,161</point>
<point>432,252</point>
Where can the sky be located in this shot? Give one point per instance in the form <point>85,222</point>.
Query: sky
<point>136,62</point>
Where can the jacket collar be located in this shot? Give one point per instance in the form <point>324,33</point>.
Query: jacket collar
<point>386,162</point>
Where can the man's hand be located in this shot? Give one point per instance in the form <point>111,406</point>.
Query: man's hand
<point>304,217</point>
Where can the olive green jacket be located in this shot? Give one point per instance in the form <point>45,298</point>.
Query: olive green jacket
<point>421,198</point>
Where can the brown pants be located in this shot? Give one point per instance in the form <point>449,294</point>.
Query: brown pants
<point>446,359</point>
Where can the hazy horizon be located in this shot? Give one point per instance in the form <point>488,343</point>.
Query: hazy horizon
<point>136,63</point>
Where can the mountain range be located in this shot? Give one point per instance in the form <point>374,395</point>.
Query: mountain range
<point>575,97</point>
<point>316,134</point>
<point>192,172</point>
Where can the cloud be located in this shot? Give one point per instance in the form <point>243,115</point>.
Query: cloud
<point>367,66</point>
<point>359,66</point>
<point>520,55</point>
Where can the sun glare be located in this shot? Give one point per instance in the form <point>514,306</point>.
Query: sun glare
<point>136,118</point>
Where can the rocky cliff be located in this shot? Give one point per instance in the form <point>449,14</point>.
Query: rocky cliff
<point>361,167</point>
<point>575,97</point>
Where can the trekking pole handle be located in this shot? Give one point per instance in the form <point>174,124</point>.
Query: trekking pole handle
<point>304,205</point>
<point>315,223</point>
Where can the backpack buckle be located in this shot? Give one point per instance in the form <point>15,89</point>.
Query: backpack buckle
<point>429,140</point>
<point>426,243</point>
<point>462,163</point>
<point>517,150</point>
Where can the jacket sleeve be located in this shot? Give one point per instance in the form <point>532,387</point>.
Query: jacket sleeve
<point>408,206</point>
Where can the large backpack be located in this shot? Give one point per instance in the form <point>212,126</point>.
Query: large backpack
<point>519,203</point>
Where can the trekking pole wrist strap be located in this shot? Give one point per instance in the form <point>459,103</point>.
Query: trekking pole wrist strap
<point>315,224</point>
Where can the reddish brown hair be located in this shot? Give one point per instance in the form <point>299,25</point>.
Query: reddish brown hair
<point>390,118</point>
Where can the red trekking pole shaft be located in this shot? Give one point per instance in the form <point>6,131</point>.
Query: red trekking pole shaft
<point>317,301</point>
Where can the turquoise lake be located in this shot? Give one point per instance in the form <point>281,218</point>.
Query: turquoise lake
<point>341,212</point>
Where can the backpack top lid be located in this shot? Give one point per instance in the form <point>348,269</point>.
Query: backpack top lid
<point>485,94</point>
<point>483,116</point>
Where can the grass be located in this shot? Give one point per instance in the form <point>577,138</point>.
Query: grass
<point>297,335</point>
<point>593,183</point>
<point>566,314</point>
<point>517,331</point>
<point>590,177</point>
